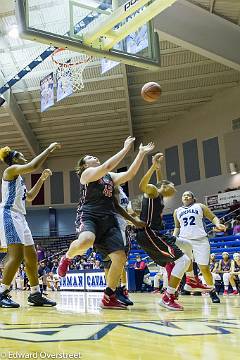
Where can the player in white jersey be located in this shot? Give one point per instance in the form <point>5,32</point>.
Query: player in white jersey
<point>123,201</point>
<point>124,213</point>
<point>15,234</point>
<point>189,226</point>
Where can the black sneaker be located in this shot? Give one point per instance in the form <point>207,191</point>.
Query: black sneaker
<point>6,301</point>
<point>122,295</point>
<point>214,297</point>
<point>37,299</point>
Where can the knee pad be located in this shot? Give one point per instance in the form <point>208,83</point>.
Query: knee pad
<point>181,265</point>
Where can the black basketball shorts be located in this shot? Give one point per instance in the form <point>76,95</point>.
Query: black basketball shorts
<point>161,248</point>
<point>106,229</point>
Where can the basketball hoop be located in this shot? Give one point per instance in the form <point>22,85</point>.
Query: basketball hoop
<point>70,67</point>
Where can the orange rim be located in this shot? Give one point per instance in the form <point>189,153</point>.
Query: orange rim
<point>62,64</point>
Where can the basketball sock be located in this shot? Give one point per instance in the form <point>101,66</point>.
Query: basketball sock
<point>171,290</point>
<point>226,287</point>
<point>190,274</point>
<point>108,291</point>
<point>4,287</point>
<point>35,289</point>
<point>234,288</point>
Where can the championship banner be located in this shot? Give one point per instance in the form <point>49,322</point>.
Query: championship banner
<point>222,200</point>
<point>64,85</point>
<point>47,92</point>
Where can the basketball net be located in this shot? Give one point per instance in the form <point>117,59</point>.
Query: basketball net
<point>70,67</point>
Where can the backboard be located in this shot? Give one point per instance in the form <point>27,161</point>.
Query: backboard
<point>117,30</point>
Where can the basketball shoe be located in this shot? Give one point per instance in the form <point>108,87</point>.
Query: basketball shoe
<point>214,297</point>
<point>122,295</point>
<point>195,284</point>
<point>6,301</point>
<point>168,301</point>
<point>37,299</point>
<point>63,266</point>
<point>111,302</point>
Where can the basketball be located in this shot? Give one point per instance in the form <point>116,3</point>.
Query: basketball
<point>151,91</point>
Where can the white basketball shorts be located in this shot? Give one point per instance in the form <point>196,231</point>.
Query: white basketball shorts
<point>14,229</point>
<point>122,224</point>
<point>200,249</point>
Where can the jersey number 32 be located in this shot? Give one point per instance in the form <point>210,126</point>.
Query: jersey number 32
<point>189,221</point>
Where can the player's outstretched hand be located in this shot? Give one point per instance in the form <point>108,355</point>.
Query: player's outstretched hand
<point>54,146</point>
<point>128,142</point>
<point>157,159</point>
<point>146,148</point>
<point>220,228</point>
<point>45,174</point>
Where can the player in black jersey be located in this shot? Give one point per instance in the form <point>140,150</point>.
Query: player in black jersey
<point>97,216</point>
<point>161,248</point>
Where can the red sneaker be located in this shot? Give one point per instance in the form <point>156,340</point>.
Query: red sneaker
<point>63,266</point>
<point>195,285</point>
<point>225,293</point>
<point>235,292</point>
<point>168,301</point>
<point>111,302</point>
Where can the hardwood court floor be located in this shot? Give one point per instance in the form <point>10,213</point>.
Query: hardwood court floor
<point>144,332</point>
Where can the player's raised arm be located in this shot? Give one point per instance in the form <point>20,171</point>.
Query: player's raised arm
<point>31,194</point>
<point>144,185</point>
<point>157,160</point>
<point>92,173</point>
<point>18,165</point>
<point>122,177</point>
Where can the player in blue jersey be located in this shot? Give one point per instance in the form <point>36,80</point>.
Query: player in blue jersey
<point>15,234</point>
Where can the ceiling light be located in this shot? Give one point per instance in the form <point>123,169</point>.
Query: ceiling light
<point>13,32</point>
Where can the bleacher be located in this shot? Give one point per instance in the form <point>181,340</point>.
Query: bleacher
<point>231,244</point>
<point>55,244</point>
